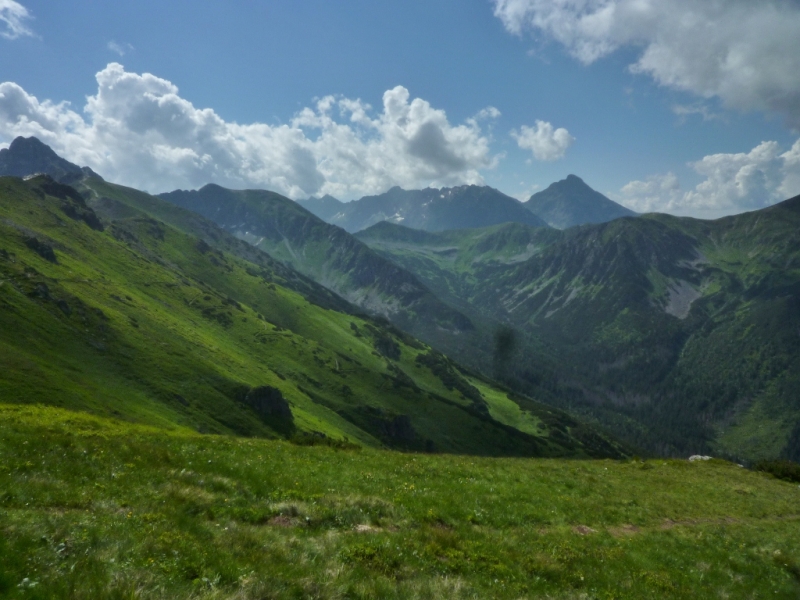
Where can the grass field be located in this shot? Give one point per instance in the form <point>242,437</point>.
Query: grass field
<point>96,508</point>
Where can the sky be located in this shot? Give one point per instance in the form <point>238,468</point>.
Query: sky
<point>678,106</point>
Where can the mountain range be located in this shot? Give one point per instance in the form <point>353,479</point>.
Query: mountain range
<point>430,209</point>
<point>677,335</point>
<point>118,303</point>
<point>563,204</point>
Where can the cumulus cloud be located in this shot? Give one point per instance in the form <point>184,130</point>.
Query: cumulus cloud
<point>137,130</point>
<point>12,19</point>
<point>731,183</point>
<point>546,142</point>
<point>741,51</point>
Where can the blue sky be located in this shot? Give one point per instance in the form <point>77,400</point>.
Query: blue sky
<point>654,113</point>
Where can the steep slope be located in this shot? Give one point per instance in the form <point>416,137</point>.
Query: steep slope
<point>571,202</point>
<point>26,156</point>
<point>435,210</point>
<point>682,335</point>
<point>133,319</point>
<point>325,208</point>
<point>326,253</point>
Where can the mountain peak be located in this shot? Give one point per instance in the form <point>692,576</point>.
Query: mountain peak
<point>572,202</point>
<point>29,156</point>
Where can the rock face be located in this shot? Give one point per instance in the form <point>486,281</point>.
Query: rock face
<point>28,156</point>
<point>571,202</point>
<point>268,401</point>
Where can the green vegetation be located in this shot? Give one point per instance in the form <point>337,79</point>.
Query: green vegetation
<point>135,319</point>
<point>326,253</point>
<point>98,508</point>
<point>679,335</point>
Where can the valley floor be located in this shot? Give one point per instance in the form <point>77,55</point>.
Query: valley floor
<point>96,508</point>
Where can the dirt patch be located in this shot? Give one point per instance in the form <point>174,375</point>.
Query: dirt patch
<point>282,521</point>
<point>624,530</point>
<point>583,530</point>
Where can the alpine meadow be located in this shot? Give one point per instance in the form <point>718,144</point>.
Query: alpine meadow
<point>463,300</point>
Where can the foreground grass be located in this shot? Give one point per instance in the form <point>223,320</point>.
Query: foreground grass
<point>95,508</point>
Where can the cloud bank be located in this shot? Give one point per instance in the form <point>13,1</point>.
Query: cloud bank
<point>741,51</point>
<point>137,130</point>
<point>12,20</point>
<point>732,183</point>
<point>546,142</point>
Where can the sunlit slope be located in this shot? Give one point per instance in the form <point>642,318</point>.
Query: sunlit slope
<point>135,319</point>
<point>97,508</point>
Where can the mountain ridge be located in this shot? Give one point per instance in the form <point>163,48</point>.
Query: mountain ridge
<point>431,209</point>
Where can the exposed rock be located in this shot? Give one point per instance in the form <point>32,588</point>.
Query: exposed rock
<point>42,249</point>
<point>681,296</point>
<point>697,457</point>
<point>268,402</point>
<point>400,429</point>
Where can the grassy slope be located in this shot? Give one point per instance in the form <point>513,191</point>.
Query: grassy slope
<point>146,323</point>
<point>454,263</point>
<point>97,508</point>
<point>332,257</point>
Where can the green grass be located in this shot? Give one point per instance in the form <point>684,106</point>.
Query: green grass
<point>96,508</point>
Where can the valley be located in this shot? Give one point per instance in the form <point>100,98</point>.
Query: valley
<point>193,377</point>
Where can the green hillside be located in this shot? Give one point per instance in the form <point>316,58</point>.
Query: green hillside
<point>131,318</point>
<point>96,508</point>
<point>679,334</point>
<point>452,263</point>
<point>326,253</point>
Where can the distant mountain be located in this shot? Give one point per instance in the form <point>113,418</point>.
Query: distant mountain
<point>331,256</point>
<point>325,208</point>
<point>571,202</point>
<point>29,156</point>
<point>433,209</point>
<point>679,334</point>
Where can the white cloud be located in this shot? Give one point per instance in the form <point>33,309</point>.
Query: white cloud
<point>12,18</point>
<point>137,130</point>
<point>546,142</point>
<point>490,112</point>
<point>732,183</point>
<point>121,49</point>
<point>742,51</point>
<point>684,111</point>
